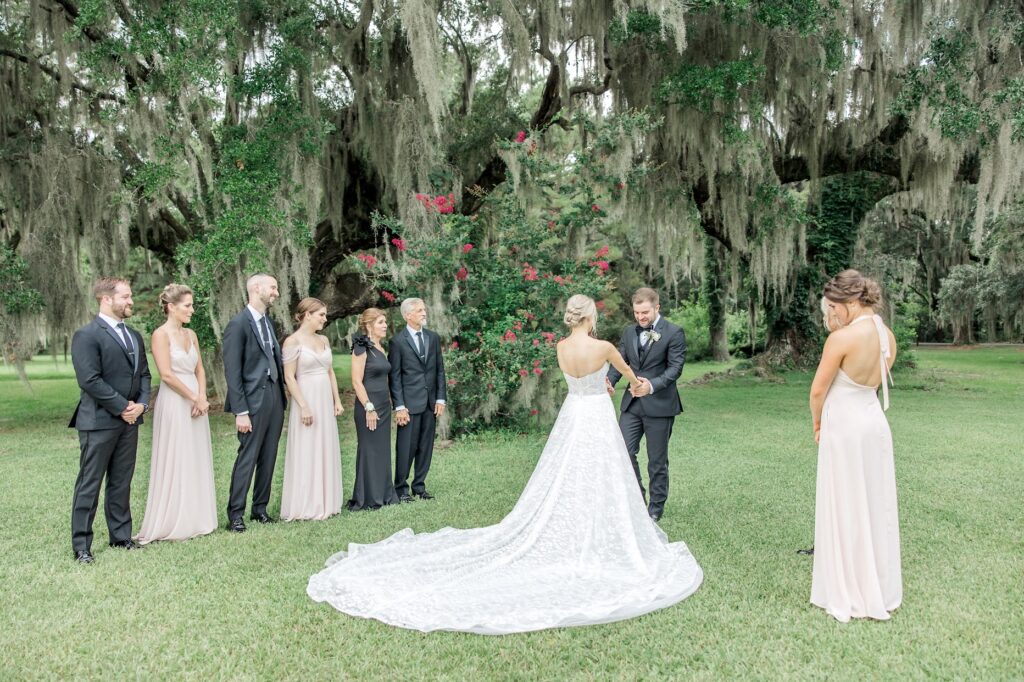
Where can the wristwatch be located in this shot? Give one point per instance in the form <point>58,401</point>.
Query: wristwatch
<point>369,407</point>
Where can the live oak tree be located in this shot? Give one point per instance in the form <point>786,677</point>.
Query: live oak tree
<point>228,136</point>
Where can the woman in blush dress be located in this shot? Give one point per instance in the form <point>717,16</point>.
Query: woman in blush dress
<point>181,503</point>
<point>312,463</point>
<point>374,486</point>
<point>857,570</point>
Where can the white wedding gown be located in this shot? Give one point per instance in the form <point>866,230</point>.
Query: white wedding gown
<point>577,549</point>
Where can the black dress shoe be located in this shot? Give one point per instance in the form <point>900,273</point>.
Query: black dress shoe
<point>236,526</point>
<point>806,552</point>
<point>424,495</point>
<point>655,516</point>
<point>83,556</point>
<point>126,544</point>
<point>262,518</point>
<point>406,498</point>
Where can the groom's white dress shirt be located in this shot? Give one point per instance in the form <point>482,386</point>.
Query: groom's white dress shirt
<point>643,340</point>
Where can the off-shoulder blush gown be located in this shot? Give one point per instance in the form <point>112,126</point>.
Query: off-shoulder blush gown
<point>312,461</point>
<point>181,502</point>
<point>857,570</point>
<point>577,549</point>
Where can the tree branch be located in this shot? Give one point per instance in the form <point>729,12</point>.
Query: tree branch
<point>55,75</point>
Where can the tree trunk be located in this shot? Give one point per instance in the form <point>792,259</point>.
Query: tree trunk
<point>714,290</point>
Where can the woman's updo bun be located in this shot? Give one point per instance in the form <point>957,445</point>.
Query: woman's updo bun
<point>850,285</point>
<point>173,295</point>
<point>578,309</point>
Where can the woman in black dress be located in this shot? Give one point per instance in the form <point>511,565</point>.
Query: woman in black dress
<point>374,486</point>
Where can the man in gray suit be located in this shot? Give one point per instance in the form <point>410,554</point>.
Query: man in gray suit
<point>655,349</point>
<point>418,392</point>
<point>110,364</point>
<point>255,378</point>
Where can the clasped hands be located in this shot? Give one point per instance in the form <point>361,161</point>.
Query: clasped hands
<point>132,411</point>
<point>641,388</point>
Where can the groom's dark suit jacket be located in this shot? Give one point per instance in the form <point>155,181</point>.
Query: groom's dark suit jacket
<point>246,362</point>
<point>661,363</point>
<point>416,384</point>
<point>107,376</point>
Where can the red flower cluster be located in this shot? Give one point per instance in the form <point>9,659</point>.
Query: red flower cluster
<point>529,272</point>
<point>600,305</point>
<point>603,251</point>
<point>601,265</point>
<point>454,346</point>
<point>466,248</point>
<point>440,203</point>
<point>399,243</point>
<point>562,280</point>
<point>534,412</point>
<point>524,373</point>
<point>462,274</point>
<point>509,335</point>
<point>595,208</point>
<point>367,259</point>
<point>387,296</point>
<point>521,137</point>
<point>548,336</point>
<point>536,368</point>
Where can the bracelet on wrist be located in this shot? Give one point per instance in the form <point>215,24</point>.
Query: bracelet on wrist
<point>368,406</point>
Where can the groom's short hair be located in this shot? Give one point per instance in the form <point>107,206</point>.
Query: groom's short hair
<point>254,279</point>
<point>107,286</point>
<point>645,295</point>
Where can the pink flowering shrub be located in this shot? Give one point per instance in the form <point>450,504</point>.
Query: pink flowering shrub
<point>512,275</point>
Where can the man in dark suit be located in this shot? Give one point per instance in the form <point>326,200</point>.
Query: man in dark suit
<point>418,391</point>
<point>655,349</point>
<point>110,365</point>
<point>255,377</point>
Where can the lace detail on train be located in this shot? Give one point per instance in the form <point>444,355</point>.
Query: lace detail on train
<point>578,548</point>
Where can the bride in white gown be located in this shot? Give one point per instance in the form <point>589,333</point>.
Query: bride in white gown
<point>578,548</point>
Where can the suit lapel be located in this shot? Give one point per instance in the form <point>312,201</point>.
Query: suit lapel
<point>658,326</point>
<point>259,337</point>
<point>412,344</point>
<point>117,338</point>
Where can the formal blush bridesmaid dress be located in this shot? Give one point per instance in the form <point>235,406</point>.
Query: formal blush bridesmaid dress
<point>856,525</point>
<point>181,503</point>
<point>312,461</point>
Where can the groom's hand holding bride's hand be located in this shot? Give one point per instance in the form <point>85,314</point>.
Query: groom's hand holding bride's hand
<point>608,383</point>
<point>642,388</point>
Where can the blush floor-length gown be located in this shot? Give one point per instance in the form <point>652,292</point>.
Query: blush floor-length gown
<point>856,525</point>
<point>181,503</point>
<point>312,459</point>
<point>578,548</point>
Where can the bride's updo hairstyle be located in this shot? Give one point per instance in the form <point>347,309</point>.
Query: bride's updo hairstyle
<point>173,295</point>
<point>850,285</point>
<point>579,308</point>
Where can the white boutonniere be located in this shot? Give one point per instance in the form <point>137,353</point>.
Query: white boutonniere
<point>654,337</point>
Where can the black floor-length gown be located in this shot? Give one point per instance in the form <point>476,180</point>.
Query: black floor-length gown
<point>374,486</point>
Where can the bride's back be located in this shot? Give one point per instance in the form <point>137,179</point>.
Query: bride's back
<point>860,361</point>
<point>580,355</point>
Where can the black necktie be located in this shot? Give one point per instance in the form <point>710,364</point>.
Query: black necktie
<point>419,346</point>
<point>269,343</point>
<point>126,340</point>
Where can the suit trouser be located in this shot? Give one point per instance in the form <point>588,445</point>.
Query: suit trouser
<point>635,425</point>
<point>257,451</point>
<point>414,442</point>
<point>110,453</point>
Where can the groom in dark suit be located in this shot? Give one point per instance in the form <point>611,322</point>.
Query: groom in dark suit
<point>655,349</point>
<point>113,374</point>
<point>255,377</point>
<point>418,391</point>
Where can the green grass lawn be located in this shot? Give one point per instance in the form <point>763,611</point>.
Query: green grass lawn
<point>742,497</point>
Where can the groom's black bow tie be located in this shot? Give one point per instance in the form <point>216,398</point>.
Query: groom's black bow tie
<point>640,330</point>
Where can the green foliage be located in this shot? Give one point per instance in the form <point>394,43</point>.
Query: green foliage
<point>694,317</point>
<point>707,87</point>
<point>17,296</point>
<point>511,278</point>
